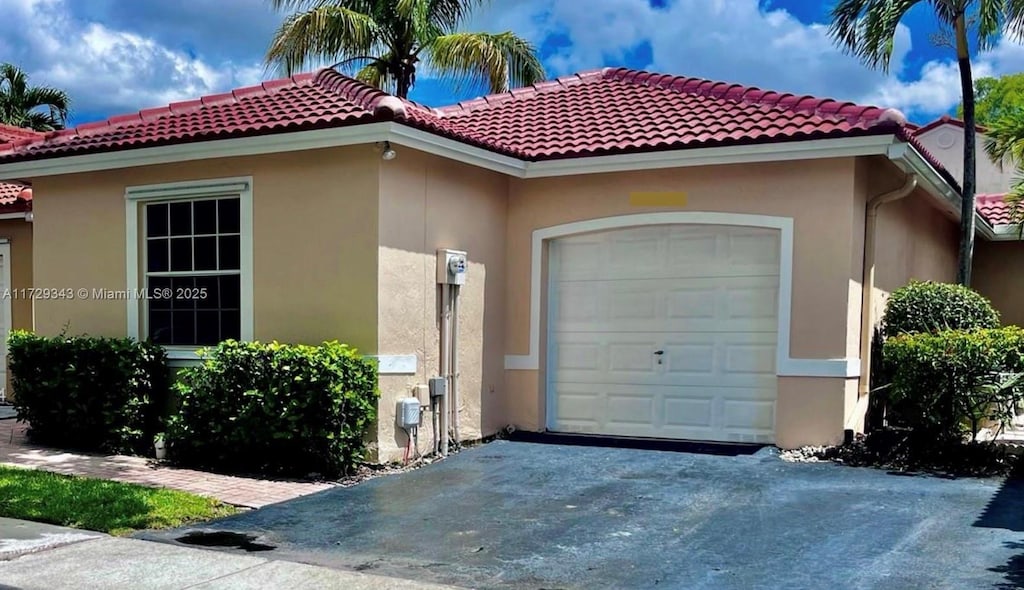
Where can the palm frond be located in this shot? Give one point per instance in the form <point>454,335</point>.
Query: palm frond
<point>866,28</point>
<point>376,74</point>
<point>989,22</point>
<point>328,33</point>
<point>1015,199</point>
<point>1014,18</point>
<point>1005,138</point>
<point>495,59</point>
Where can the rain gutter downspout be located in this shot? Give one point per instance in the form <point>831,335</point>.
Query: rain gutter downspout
<point>868,281</point>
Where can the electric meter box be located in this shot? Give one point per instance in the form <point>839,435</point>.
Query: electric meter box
<point>451,267</point>
<point>438,386</point>
<point>409,412</point>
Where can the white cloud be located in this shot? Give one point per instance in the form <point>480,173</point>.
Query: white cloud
<point>731,40</point>
<point>937,88</point>
<point>108,70</point>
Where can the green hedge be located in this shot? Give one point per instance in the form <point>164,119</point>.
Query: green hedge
<point>932,307</point>
<point>274,408</point>
<point>97,394</point>
<point>945,385</point>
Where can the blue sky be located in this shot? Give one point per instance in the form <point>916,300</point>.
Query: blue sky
<point>117,56</point>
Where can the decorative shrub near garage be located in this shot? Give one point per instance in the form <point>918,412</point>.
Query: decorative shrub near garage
<point>947,385</point>
<point>931,307</point>
<point>97,394</point>
<point>275,409</point>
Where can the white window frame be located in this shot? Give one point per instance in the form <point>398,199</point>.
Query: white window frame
<point>138,196</point>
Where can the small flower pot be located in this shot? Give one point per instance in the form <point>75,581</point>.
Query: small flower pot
<point>160,449</point>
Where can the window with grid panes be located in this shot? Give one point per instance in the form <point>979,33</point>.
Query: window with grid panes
<point>192,254</point>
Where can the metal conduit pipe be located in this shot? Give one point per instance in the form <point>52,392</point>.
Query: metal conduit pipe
<point>454,364</point>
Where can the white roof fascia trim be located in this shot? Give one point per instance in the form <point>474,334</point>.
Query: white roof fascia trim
<point>407,136</point>
<point>910,160</point>
<point>424,141</point>
<point>764,152</point>
<point>223,148</point>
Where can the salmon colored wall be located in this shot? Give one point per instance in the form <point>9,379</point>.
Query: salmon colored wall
<point>315,243</point>
<point>819,197</point>
<point>999,275</point>
<point>914,239</point>
<point>428,203</point>
<point>19,233</point>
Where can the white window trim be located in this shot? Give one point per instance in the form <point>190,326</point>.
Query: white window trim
<point>785,365</point>
<point>136,196</point>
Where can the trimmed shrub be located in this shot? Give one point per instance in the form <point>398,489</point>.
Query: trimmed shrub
<point>96,394</point>
<point>947,385</point>
<point>274,409</point>
<point>932,307</point>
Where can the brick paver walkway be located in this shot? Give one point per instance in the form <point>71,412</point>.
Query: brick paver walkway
<point>240,491</point>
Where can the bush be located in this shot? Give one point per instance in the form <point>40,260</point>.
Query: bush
<point>97,394</point>
<point>932,307</point>
<point>947,385</point>
<point>274,409</point>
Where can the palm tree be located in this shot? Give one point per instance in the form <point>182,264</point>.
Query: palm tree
<point>1005,143</point>
<point>866,28</point>
<point>35,107</point>
<point>388,39</point>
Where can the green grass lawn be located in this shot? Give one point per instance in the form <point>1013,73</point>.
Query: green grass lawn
<point>99,505</point>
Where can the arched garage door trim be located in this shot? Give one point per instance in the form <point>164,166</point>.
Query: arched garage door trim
<point>785,365</point>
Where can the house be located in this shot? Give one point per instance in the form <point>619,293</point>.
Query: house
<point>999,257</point>
<point>15,254</point>
<point>647,255</point>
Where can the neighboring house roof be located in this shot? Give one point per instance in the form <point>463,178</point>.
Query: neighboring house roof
<point>994,209</point>
<point>15,197</point>
<point>10,133</point>
<point>943,120</point>
<point>592,113</point>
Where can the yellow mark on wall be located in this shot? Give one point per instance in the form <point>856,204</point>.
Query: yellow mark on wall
<point>662,199</point>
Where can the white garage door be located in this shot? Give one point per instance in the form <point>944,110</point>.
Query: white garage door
<point>664,331</point>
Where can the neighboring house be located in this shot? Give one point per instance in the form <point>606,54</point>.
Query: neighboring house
<point>999,259</point>
<point>15,254</point>
<point>649,255</point>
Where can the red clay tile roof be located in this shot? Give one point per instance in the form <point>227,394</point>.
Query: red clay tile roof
<point>305,101</point>
<point>620,111</point>
<point>592,113</point>
<point>10,133</point>
<point>15,197</point>
<point>994,209</point>
<point>943,120</point>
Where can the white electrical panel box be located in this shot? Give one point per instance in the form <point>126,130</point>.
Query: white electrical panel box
<point>438,386</point>
<point>451,267</point>
<point>408,412</point>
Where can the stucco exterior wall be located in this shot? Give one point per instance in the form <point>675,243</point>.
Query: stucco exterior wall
<point>817,195</point>
<point>914,240</point>
<point>19,235</point>
<point>314,235</point>
<point>946,142</point>
<point>427,203</point>
<point>999,275</point>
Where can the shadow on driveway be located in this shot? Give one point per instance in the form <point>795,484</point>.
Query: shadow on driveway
<point>530,516</point>
<point>1006,511</point>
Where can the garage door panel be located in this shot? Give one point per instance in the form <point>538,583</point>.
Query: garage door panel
<point>705,296</point>
<point>731,304</point>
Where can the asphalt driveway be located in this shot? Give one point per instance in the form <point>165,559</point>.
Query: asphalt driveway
<point>521,515</point>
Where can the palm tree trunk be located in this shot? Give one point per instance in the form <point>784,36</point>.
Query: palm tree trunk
<point>963,54</point>
<point>403,82</point>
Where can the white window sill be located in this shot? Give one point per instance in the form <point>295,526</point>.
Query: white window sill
<point>183,356</point>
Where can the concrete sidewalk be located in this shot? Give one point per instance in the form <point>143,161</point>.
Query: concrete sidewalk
<point>88,561</point>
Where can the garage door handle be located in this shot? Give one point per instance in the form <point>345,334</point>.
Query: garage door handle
<point>659,352</point>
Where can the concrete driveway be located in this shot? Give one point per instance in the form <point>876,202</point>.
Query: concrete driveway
<point>521,515</point>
